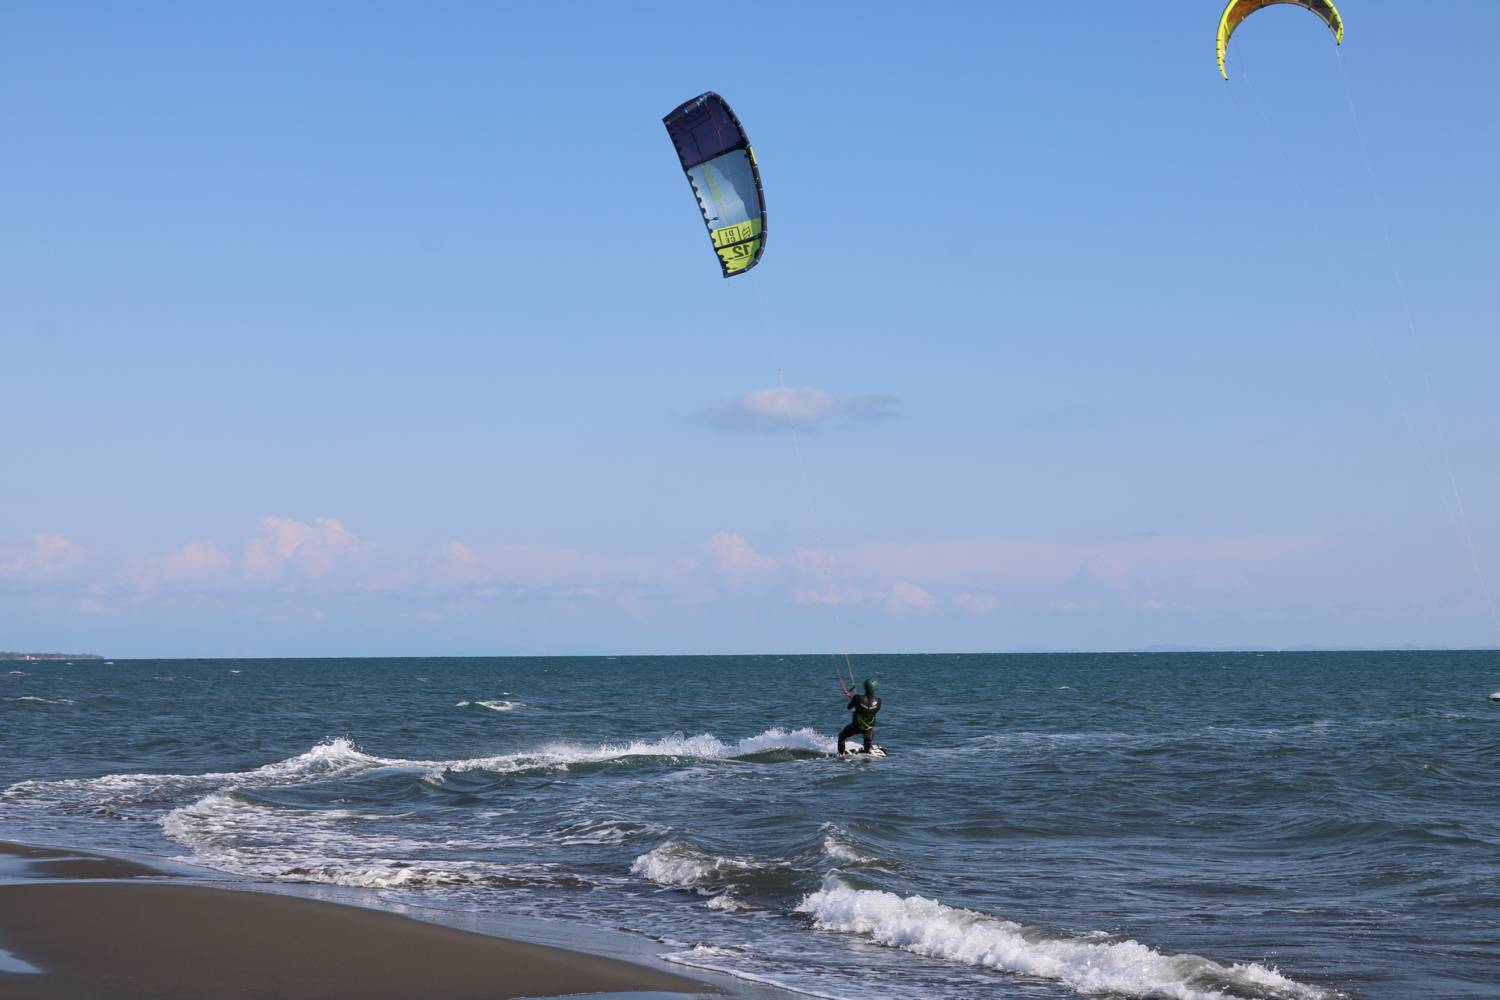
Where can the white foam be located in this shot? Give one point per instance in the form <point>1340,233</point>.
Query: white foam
<point>335,758</point>
<point>1495,696</point>
<point>837,847</point>
<point>230,833</point>
<point>787,739</point>
<point>679,864</point>
<point>704,746</point>
<point>605,830</point>
<point>44,701</point>
<point>725,902</point>
<point>1126,968</point>
<point>339,758</point>
<point>493,706</point>
<point>227,831</point>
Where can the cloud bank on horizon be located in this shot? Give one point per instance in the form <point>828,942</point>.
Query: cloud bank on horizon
<point>291,569</point>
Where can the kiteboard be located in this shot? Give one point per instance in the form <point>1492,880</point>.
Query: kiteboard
<point>861,752</point>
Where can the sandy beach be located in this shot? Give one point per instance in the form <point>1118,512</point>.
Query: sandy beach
<point>161,938</point>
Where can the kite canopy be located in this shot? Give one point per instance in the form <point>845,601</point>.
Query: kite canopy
<point>720,165</point>
<point>1238,10</point>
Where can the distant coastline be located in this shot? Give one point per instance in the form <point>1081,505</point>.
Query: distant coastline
<point>32,657</point>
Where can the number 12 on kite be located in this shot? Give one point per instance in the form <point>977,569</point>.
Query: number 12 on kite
<point>720,165</point>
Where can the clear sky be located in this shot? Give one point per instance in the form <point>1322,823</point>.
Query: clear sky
<point>382,328</point>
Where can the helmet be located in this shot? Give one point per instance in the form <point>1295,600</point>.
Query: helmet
<point>871,686</point>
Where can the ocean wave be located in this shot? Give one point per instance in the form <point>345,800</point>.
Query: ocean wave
<point>340,758</point>
<point>681,864</point>
<point>280,819</point>
<point>704,746</point>
<point>605,830</point>
<point>727,902</point>
<point>229,832</point>
<point>111,792</point>
<point>494,706</point>
<point>43,701</point>
<point>1125,968</point>
<point>839,846</point>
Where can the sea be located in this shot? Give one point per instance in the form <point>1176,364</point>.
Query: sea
<point>1184,825</point>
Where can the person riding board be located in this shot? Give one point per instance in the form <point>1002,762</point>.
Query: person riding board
<point>864,706</point>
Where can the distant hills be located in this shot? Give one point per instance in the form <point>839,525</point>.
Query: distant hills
<point>4,655</point>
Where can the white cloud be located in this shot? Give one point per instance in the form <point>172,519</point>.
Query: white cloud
<point>983,576</point>
<point>556,572</point>
<point>196,561</point>
<point>1165,578</point>
<point>802,406</point>
<point>48,556</point>
<point>733,556</point>
<point>458,552</point>
<point>783,407</point>
<point>306,549</point>
<point>1206,562</point>
<point>905,596</point>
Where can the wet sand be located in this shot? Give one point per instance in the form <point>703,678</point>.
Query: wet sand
<point>165,940</point>
<point>52,862</point>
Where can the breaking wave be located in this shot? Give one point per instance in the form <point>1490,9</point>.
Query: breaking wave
<point>113,793</point>
<point>840,847</point>
<point>681,864</point>
<point>1125,968</point>
<point>286,819</point>
<point>340,758</point>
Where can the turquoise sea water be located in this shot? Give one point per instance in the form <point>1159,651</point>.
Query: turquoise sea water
<point>1187,825</point>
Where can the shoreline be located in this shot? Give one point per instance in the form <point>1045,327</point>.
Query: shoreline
<point>95,925</point>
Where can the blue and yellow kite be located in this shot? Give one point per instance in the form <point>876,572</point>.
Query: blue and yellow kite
<point>720,165</point>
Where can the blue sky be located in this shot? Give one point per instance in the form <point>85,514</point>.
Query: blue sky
<point>392,328</point>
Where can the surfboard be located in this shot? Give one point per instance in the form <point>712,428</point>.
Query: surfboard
<point>861,752</point>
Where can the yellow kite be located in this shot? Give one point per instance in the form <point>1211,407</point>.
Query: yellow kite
<point>1238,10</point>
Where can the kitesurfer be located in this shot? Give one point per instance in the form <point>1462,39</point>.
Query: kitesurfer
<point>864,706</point>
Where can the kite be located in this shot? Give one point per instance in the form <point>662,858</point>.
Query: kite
<point>1238,10</point>
<point>720,165</point>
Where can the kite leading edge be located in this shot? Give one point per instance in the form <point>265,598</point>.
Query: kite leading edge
<point>720,166</point>
<point>1238,10</point>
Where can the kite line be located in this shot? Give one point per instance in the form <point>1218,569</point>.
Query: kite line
<point>839,664</point>
<point>1434,413</point>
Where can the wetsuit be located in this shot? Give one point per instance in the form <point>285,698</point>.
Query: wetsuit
<point>864,707</point>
